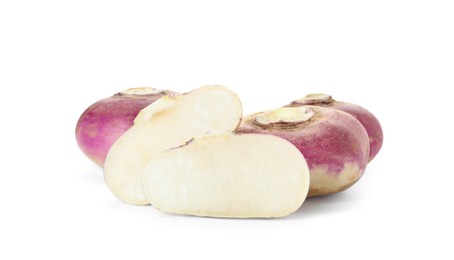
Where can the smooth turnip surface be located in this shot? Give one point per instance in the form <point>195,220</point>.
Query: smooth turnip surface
<point>106,120</point>
<point>335,144</point>
<point>367,119</point>
<point>169,122</point>
<point>227,175</point>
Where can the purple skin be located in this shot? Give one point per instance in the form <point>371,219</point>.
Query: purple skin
<point>366,118</point>
<point>106,120</point>
<point>329,141</point>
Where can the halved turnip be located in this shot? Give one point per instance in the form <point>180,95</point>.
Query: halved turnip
<point>335,144</point>
<point>366,118</point>
<point>106,120</point>
<point>169,122</point>
<point>229,175</point>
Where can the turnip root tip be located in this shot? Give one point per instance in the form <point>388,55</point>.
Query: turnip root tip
<point>283,115</point>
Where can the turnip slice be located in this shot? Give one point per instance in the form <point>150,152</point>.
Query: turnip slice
<point>169,122</point>
<point>229,175</point>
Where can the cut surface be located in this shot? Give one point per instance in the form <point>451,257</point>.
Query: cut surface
<point>227,175</point>
<point>169,122</point>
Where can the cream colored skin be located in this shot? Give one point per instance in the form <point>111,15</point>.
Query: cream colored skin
<point>169,122</point>
<point>228,175</point>
<point>324,182</point>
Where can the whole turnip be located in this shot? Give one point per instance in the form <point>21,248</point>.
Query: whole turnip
<point>107,119</point>
<point>366,118</point>
<point>334,143</point>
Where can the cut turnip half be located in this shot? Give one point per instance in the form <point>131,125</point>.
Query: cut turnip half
<point>169,122</point>
<point>229,175</point>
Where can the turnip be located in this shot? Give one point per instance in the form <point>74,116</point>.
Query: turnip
<point>229,175</point>
<point>106,120</point>
<point>169,122</point>
<point>367,119</point>
<point>335,144</point>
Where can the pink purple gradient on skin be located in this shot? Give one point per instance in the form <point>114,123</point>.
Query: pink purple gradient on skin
<point>366,118</point>
<point>105,121</point>
<point>332,141</point>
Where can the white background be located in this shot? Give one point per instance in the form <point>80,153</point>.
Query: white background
<point>396,58</point>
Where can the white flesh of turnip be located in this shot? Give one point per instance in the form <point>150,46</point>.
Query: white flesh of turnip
<point>169,122</point>
<point>229,175</point>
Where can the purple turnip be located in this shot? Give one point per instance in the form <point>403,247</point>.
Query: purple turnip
<point>366,118</point>
<point>335,144</point>
<point>106,120</point>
